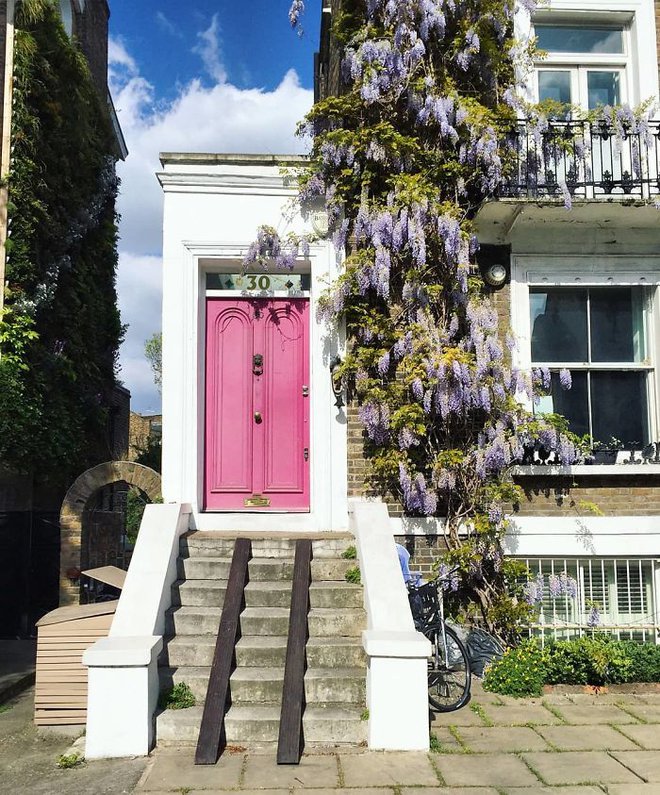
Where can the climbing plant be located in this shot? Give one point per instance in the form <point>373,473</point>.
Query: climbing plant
<point>60,330</point>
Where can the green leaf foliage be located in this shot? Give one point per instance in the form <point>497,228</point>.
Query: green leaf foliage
<point>60,331</point>
<point>590,660</point>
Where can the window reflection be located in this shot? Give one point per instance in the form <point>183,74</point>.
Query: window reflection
<point>600,326</point>
<point>568,38</point>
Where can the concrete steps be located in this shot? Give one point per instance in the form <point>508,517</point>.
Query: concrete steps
<point>328,725</point>
<point>323,621</point>
<point>335,677</point>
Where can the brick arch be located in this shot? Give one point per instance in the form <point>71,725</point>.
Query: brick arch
<point>75,502</point>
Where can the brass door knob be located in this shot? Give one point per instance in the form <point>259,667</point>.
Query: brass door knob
<point>257,417</point>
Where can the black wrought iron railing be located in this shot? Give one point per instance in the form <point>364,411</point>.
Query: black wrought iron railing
<point>581,159</point>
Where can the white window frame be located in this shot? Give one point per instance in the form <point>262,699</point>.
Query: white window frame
<point>579,64</point>
<point>637,16</point>
<point>588,271</point>
<point>573,618</point>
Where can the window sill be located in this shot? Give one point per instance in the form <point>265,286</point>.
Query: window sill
<point>595,470</point>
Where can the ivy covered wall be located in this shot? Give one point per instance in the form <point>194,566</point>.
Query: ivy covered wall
<point>60,330</point>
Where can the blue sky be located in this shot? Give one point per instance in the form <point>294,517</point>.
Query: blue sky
<point>196,77</point>
<point>257,45</point>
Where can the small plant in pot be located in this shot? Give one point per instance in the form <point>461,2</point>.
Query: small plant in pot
<point>606,452</point>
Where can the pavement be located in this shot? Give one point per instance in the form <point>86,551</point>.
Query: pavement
<point>17,664</point>
<point>571,744</point>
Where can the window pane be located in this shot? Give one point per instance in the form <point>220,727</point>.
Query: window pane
<point>564,38</point>
<point>559,325</point>
<point>618,404</point>
<point>572,403</point>
<point>617,325</point>
<point>555,86</point>
<point>602,89</point>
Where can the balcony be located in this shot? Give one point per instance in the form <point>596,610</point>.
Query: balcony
<point>582,160</point>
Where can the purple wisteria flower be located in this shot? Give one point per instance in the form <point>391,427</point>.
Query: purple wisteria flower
<point>565,378</point>
<point>594,617</point>
<point>533,590</point>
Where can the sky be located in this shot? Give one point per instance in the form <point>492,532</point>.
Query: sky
<point>201,76</point>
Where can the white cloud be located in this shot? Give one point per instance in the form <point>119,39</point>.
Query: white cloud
<point>167,25</point>
<point>209,51</point>
<point>217,118</point>
<point>139,286</point>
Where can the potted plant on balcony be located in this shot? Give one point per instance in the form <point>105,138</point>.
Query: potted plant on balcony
<point>606,452</point>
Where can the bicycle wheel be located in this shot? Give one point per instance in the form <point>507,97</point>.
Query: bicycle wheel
<point>448,671</point>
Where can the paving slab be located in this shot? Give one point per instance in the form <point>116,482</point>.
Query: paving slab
<point>646,735</point>
<point>646,712</point>
<point>447,791</point>
<point>633,789</point>
<point>520,714</point>
<point>576,738</point>
<point>645,763</point>
<point>499,738</point>
<point>355,791</point>
<point>171,770</point>
<point>262,771</point>
<point>585,715</point>
<point>589,789</point>
<point>448,743</point>
<point>495,770</point>
<point>579,767</point>
<point>605,698</point>
<point>461,717</point>
<point>390,769</point>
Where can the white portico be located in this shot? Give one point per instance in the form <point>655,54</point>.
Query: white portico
<point>213,207</point>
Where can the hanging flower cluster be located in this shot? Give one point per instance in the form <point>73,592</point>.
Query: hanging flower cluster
<point>402,159</point>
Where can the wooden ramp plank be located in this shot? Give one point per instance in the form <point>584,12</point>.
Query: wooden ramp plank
<point>291,740</point>
<point>212,738</point>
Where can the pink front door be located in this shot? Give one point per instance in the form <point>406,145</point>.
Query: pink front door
<point>257,404</point>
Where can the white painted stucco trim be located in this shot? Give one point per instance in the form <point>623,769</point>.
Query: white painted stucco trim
<point>123,680</point>
<point>212,211</point>
<point>397,688</point>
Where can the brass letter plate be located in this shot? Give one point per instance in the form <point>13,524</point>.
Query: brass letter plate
<point>256,501</point>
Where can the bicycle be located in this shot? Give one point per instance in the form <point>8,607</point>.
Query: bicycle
<point>449,676</point>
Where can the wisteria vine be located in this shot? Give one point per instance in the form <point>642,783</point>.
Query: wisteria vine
<point>401,159</point>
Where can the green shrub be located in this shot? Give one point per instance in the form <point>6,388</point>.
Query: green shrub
<point>353,575</point>
<point>520,672</point>
<point>67,761</point>
<point>591,660</point>
<point>350,553</point>
<point>645,658</point>
<point>178,697</point>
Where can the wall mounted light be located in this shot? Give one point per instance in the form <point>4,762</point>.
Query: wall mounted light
<point>495,265</point>
<point>336,381</point>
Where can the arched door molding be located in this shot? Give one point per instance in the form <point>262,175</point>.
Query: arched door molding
<point>75,502</point>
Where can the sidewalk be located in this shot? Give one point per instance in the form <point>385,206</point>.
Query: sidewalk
<point>17,665</point>
<point>562,744</point>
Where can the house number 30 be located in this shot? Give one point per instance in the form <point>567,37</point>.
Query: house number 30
<point>262,282</point>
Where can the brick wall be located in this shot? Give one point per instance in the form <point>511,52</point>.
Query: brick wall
<point>620,495</point>
<point>91,30</point>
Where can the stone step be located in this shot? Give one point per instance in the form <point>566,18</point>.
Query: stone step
<point>264,545</point>
<point>333,724</point>
<point>217,568</point>
<point>211,593</point>
<point>264,685</point>
<point>263,651</point>
<point>322,621</point>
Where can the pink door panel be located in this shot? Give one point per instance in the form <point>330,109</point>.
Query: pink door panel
<point>257,414</point>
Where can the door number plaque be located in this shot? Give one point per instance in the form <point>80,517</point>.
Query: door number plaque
<point>256,501</point>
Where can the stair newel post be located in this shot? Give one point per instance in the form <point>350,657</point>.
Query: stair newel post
<point>212,738</point>
<point>291,738</point>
